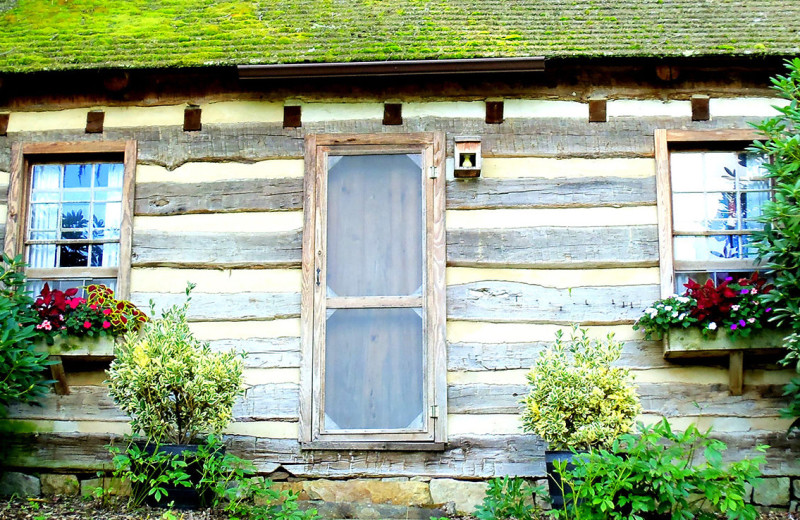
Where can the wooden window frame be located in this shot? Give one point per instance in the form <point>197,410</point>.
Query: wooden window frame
<point>317,147</point>
<point>23,155</point>
<point>665,142</point>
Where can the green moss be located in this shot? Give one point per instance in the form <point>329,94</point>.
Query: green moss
<point>49,35</point>
<point>19,426</point>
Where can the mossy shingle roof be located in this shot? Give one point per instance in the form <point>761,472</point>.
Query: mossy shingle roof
<point>84,34</point>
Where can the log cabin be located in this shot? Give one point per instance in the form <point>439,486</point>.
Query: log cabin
<point>511,164</point>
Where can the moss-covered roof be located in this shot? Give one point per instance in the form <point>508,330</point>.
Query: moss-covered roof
<point>83,34</point>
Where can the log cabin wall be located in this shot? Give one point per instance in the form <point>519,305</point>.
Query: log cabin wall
<point>561,227</point>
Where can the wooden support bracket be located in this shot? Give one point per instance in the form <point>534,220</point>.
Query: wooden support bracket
<point>4,123</point>
<point>191,119</point>
<point>292,116</point>
<point>59,375</point>
<point>700,110</point>
<point>94,121</point>
<point>736,372</point>
<point>494,112</point>
<point>597,110</point>
<point>392,114</point>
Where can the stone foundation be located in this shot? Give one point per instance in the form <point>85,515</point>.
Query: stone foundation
<point>402,497</point>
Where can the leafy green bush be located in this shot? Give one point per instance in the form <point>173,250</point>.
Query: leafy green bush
<point>657,474</point>
<point>172,385</point>
<point>21,367</point>
<point>779,243</point>
<point>509,497</point>
<point>577,399</point>
<point>226,481</point>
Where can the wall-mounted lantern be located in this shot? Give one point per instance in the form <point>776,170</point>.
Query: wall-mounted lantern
<point>467,157</point>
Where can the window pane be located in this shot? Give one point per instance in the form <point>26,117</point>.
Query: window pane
<point>45,176</point>
<point>75,216</point>
<point>109,175</point>
<point>105,255</point>
<point>77,195</point>
<point>77,175</point>
<point>42,255</point>
<point>44,216</point>
<point>374,369</point>
<point>716,247</point>
<point>375,226</point>
<point>682,278</point>
<point>110,195</point>
<point>689,212</point>
<point>74,256</point>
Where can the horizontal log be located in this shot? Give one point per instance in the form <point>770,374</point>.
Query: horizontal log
<point>551,193</point>
<point>226,307</point>
<point>170,146</point>
<point>517,356</point>
<point>519,302</point>
<point>246,195</point>
<point>665,399</point>
<point>170,198</point>
<point>264,352</point>
<point>214,250</point>
<point>631,246</point>
<point>93,403</point>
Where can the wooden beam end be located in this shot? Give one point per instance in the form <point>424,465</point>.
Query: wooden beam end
<point>192,119</point>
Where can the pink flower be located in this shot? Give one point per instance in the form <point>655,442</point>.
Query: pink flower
<point>93,307</point>
<point>44,325</point>
<point>74,302</point>
<point>106,311</point>
<point>753,291</point>
<point>87,324</point>
<point>751,320</point>
<point>106,324</point>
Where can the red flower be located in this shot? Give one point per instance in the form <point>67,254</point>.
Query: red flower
<point>106,324</point>
<point>106,311</point>
<point>93,307</point>
<point>87,324</point>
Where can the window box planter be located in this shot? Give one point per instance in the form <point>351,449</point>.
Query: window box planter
<point>690,343</point>
<point>100,348</point>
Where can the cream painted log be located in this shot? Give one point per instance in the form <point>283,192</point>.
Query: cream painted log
<point>550,193</point>
<point>169,198</point>
<point>170,146</point>
<point>633,246</point>
<point>267,221</point>
<point>216,250</point>
<point>282,352</point>
<point>226,307</point>
<point>668,400</point>
<point>216,281</point>
<point>519,302</point>
<point>560,278</point>
<point>233,330</point>
<point>208,172</point>
<point>519,168</point>
<point>268,401</point>
<point>514,356</point>
<point>488,332</point>
<point>511,218</point>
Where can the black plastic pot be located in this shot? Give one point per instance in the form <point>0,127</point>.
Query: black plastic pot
<point>181,497</point>
<point>554,483</point>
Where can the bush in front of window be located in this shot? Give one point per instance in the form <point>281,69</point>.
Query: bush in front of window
<point>21,367</point>
<point>736,307</point>
<point>577,400</point>
<point>173,387</point>
<point>64,313</point>
<point>779,243</point>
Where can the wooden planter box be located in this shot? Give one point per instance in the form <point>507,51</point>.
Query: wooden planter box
<point>96,349</point>
<point>690,343</point>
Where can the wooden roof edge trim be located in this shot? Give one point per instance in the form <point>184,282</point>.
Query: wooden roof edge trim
<point>392,68</point>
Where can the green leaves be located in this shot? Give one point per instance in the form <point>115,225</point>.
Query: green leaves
<point>660,471</point>
<point>172,385</point>
<point>577,398</point>
<point>509,498</point>
<point>21,367</point>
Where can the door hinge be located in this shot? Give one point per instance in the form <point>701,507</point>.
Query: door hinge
<point>433,172</point>
<point>435,411</point>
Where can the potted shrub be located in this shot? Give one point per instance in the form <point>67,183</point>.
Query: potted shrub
<point>577,399</point>
<point>175,390</point>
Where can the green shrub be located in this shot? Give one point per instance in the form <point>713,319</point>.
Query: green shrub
<point>659,474</point>
<point>577,399</point>
<point>507,498</point>
<point>779,243</point>
<point>21,367</point>
<point>172,385</point>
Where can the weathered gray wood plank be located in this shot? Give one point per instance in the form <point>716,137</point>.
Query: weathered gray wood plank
<point>281,352</point>
<point>3,193</point>
<point>226,307</point>
<point>233,249</point>
<point>475,357</point>
<point>170,146</point>
<point>92,403</point>
<point>171,198</point>
<point>542,247</point>
<point>550,193</point>
<point>634,246</point>
<point>666,399</point>
<point>519,302</point>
